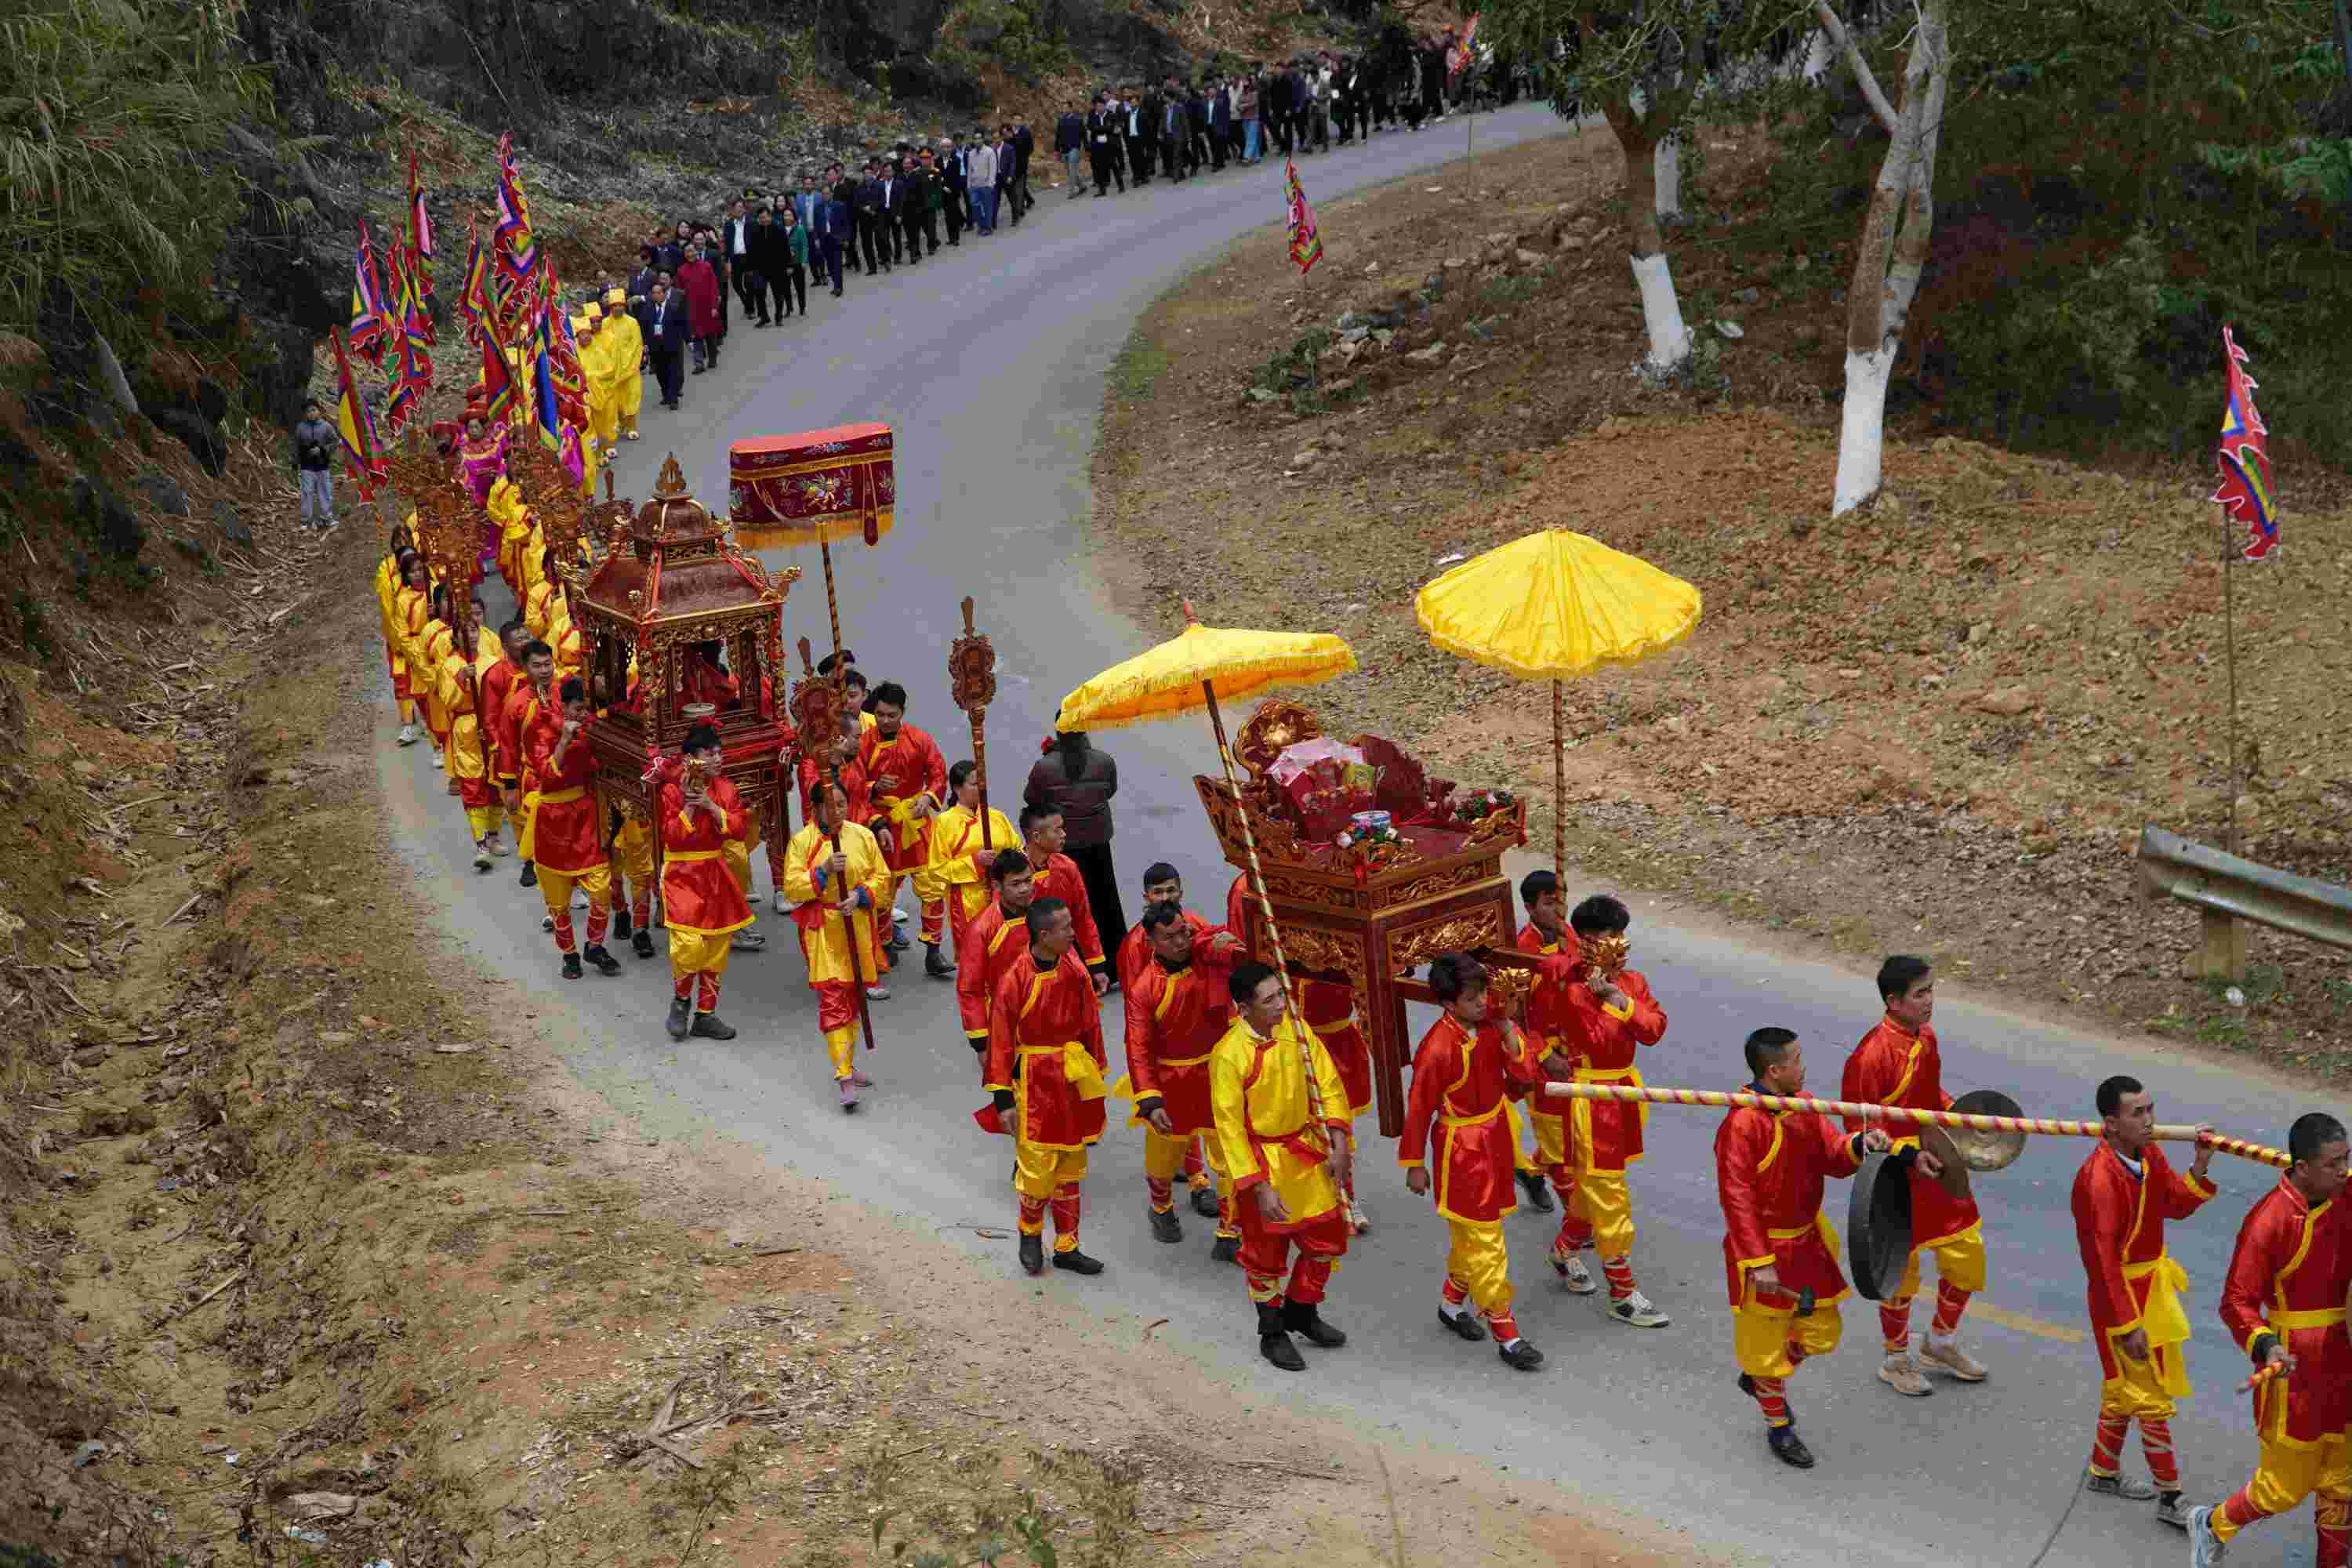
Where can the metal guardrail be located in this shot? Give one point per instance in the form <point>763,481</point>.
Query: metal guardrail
<point>2227,889</point>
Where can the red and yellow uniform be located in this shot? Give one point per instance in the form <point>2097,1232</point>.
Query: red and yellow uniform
<point>1770,1170</point>
<point>1547,1024</point>
<point>701,904</point>
<point>2119,1215</point>
<point>2287,1283</point>
<point>1892,1066</point>
<point>567,845</point>
<point>956,857</point>
<point>1046,1048</point>
<point>387,594</point>
<point>854,785</point>
<point>1331,1011</point>
<point>984,955</point>
<point>1602,1137</point>
<point>837,971</point>
<point>905,770</point>
<point>497,684</point>
<point>1174,1019</point>
<point>456,685</point>
<point>1266,1134</point>
<point>525,702</point>
<point>539,603</point>
<point>1058,877</point>
<point>418,624</point>
<point>1453,1121</point>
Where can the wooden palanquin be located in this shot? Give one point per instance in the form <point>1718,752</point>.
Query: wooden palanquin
<point>670,584</point>
<point>1362,917</point>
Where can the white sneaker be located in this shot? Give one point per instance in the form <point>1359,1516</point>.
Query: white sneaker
<point>877,994</point>
<point>1947,1356</point>
<point>1902,1374</point>
<point>1358,1220</point>
<point>1637,1311</point>
<point>782,907</point>
<point>436,758</point>
<point>407,736</point>
<point>546,922</point>
<point>1574,1278</point>
<point>2204,1548</point>
<point>481,856</point>
<point>496,847</point>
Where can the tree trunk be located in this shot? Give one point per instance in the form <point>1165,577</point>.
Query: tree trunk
<point>1893,254</point>
<point>1669,175</point>
<point>1660,312</point>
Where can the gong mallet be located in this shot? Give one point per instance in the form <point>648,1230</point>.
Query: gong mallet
<point>2173,1132</point>
<point>816,707</point>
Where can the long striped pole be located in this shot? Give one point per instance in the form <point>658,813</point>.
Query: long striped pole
<point>2173,1133</point>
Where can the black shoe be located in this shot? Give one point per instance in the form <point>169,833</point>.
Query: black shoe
<point>1531,1183</point>
<point>1464,1324</point>
<point>605,961</point>
<point>1274,1341</point>
<point>1747,1385</point>
<point>708,1026</point>
<point>1205,1201</point>
<point>836,292</point>
<point>1787,1448</point>
<point>620,924</point>
<point>1519,1355</point>
<point>1032,1253</point>
<point>681,1017</point>
<point>1228,1249</point>
<point>897,943</point>
<point>1166,1226</point>
<point>642,944</point>
<point>572,970</point>
<point>1076,1262</point>
<point>530,875</point>
<point>935,966</point>
<point>1302,1319</point>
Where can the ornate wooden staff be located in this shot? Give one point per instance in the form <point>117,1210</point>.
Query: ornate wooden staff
<point>816,707</point>
<point>2173,1132</point>
<point>971,682</point>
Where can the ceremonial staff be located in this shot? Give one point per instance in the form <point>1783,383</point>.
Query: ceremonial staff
<point>972,683</point>
<point>816,707</point>
<point>2175,1133</point>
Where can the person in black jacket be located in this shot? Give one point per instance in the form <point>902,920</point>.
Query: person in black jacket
<point>845,190</point>
<point>870,238</point>
<point>667,330</point>
<point>1099,131</point>
<point>764,266</point>
<point>1024,147</point>
<point>953,187</point>
<point>915,214</point>
<point>1078,781</point>
<point>1069,142</point>
<point>741,270</point>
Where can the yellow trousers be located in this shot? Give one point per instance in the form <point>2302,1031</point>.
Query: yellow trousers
<point>483,820</point>
<point>2290,1472</point>
<point>2140,1391</point>
<point>1039,1173</point>
<point>1520,1158</point>
<point>604,418</point>
<point>555,886</point>
<point>1477,1258</point>
<point>691,954</point>
<point>1959,1260</point>
<point>633,397</point>
<point>1763,1336</point>
<point>524,820</point>
<point>633,856</point>
<point>1602,1202</point>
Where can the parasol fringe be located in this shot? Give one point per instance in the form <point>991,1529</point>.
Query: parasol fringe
<point>1648,649</point>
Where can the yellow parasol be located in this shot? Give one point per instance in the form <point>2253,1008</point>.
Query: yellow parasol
<point>1190,672</point>
<point>1551,606</point>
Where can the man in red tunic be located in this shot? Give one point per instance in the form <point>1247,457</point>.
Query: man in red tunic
<point>1164,884</point>
<point>1463,1070</point>
<point>702,904</point>
<point>497,684</point>
<point>910,787</point>
<point>566,845</point>
<point>1604,1014</point>
<point>2284,1301</point>
<point>1057,878</point>
<point>1897,1064</point>
<point>526,700</point>
<point>1546,935</point>
<point>2123,1195</point>
<point>996,937</point>
<point>1045,1068</point>
<point>1177,1009</point>
<point>1779,1255</point>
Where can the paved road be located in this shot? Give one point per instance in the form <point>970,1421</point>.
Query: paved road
<point>990,364</point>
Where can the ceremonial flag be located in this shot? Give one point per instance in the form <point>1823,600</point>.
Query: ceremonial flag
<point>357,423</point>
<point>1305,244</point>
<point>406,293</point>
<point>498,380</point>
<point>413,371</point>
<point>420,226</point>
<point>373,320</point>
<point>2244,456</point>
<point>518,249</point>
<point>474,298</point>
<point>1464,51</point>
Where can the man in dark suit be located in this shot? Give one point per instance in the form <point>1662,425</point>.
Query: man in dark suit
<point>667,330</point>
<point>917,216</point>
<point>1024,147</point>
<point>834,234</point>
<point>1196,120</point>
<point>1221,123</point>
<point>742,269</point>
<point>845,189</point>
<point>891,206</point>
<point>1101,127</point>
<point>1175,128</point>
<point>870,240</point>
<point>953,184</point>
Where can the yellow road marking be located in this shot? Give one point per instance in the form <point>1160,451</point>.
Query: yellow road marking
<point>1980,1308</point>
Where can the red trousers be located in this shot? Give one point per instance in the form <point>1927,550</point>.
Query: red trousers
<point>1321,1242</point>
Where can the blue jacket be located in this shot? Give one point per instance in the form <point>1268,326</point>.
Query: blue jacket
<point>836,220</point>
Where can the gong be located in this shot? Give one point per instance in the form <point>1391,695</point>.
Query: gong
<point>1878,1226</point>
<point>1987,1151</point>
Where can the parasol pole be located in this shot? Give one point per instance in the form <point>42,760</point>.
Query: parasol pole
<point>832,846</point>
<point>832,604</point>
<point>1558,790</point>
<point>2178,1132</point>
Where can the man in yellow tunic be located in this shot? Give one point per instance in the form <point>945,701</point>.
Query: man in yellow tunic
<point>604,390</point>
<point>1289,1169</point>
<point>387,594</point>
<point>627,350</point>
<point>956,835</point>
<point>456,683</point>
<point>836,877</point>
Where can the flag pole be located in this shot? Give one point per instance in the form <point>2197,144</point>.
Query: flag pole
<point>2230,662</point>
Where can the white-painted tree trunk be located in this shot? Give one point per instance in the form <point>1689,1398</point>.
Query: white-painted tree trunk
<point>1670,179</point>
<point>1861,438</point>
<point>1817,56</point>
<point>1660,312</point>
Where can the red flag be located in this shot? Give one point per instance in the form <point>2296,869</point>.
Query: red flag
<point>361,448</point>
<point>2244,456</point>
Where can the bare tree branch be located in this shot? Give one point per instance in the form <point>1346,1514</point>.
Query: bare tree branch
<point>1842,41</point>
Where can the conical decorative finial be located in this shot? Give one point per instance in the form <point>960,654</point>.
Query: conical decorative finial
<point>671,485</point>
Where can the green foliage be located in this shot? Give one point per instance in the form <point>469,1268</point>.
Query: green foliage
<point>1139,365</point>
<point>1021,36</point>
<point>113,115</point>
<point>33,628</point>
<point>1295,374</point>
<point>984,1518</point>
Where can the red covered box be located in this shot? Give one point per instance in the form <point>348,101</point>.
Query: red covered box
<point>819,485</point>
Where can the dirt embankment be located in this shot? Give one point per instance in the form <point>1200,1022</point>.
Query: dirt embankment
<point>1938,724</point>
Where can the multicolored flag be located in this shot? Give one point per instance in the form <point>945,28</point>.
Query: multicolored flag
<point>1306,243</point>
<point>518,249</point>
<point>420,226</point>
<point>372,318</point>
<point>2244,456</point>
<point>1466,50</point>
<point>362,447</point>
<point>474,300</point>
<point>498,380</point>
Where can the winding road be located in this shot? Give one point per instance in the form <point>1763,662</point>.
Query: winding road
<point>990,363</point>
